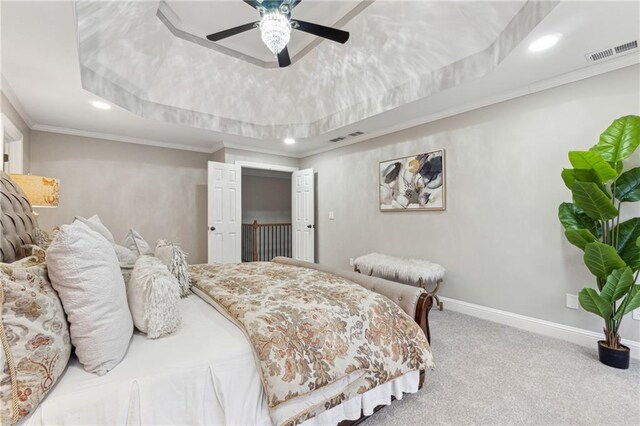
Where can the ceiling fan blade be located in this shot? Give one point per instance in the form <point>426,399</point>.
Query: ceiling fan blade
<point>283,58</point>
<point>253,3</point>
<point>294,3</point>
<point>321,31</point>
<point>231,31</point>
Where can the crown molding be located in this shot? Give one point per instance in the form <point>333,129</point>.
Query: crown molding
<point>15,102</point>
<point>570,77</point>
<point>139,141</point>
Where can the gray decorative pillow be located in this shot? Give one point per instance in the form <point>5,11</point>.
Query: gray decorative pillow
<point>84,270</point>
<point>175,259</point>
<point>134,242</point>
<point>95,224</point>
<point>35,338</point>
<point>153,295</point>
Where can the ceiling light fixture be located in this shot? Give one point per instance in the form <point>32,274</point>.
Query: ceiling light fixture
<point>275,30</point>
<point>544,43</point>
<point>289,141</point>
<point>100,105</point>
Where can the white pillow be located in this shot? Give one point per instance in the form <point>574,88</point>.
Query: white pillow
<point>84,270</point>
<point>153,295</point>
<point>126,257</point>
<point>134,242</point>
<point>175,259</point>
<point>94,223</point>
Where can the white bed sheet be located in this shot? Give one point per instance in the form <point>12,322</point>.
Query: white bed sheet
<point>203,374</point>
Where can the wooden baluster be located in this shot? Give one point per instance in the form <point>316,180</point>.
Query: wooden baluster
<point>254,255</point>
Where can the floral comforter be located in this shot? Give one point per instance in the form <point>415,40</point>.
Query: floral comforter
<point>309,329</point>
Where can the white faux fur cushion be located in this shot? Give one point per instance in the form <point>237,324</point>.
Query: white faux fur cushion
<point>134,241</point>
<point>176,260</point>
<point>153,295</point>
<point>84,270</point>
<point>398,268</point>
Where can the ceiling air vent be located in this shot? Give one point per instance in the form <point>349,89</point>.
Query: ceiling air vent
<point>350,135</point>
<point>611,52</point>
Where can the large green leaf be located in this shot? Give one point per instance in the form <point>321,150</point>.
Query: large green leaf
<point>618,284</point>
<point>571,176</point>
<point>592,160</point>
<point>628,233</point>
<point>572,217</point>
<point>601,259</point>
<point>633,303</point>
<point>592,302</point>
<point>593,201</point>
<point>620,139</point>
<point>579,237</point>
<point>628,185</point>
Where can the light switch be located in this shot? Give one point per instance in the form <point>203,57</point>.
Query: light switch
<point>331,216</point>
<point>572,301</point>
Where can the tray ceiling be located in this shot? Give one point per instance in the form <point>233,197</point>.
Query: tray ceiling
<point>398,52</point>
<point>42,78</point>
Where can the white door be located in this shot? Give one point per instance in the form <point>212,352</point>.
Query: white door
<point>224,213</point>
<point>303,214</point>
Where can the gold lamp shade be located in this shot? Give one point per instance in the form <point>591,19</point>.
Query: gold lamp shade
<point>40,191</point>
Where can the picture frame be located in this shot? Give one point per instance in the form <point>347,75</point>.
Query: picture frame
<point>413,183</point>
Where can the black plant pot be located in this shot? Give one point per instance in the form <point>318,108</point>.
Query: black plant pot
<point>616,358</point>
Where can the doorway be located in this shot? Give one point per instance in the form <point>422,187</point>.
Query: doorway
<point>266,214</point>
<point>231,242</point>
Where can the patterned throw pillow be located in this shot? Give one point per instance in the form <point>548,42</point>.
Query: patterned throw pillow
<point>176,260</point>
<point>34,335</point>
<point>43,238</point>
<point>153,295</point>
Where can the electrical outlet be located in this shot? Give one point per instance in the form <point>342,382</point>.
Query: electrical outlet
<point>351,261</point>
<point>572,301</point>
<point>635,314</point>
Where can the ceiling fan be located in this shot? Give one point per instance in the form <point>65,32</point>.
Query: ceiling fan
<point>275,27</point>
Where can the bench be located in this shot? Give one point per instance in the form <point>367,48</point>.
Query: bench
<point>416,271</point>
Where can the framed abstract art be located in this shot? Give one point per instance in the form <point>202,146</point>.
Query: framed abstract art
<point>416,182</point>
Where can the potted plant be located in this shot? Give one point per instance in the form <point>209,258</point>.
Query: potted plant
<point>601,187</point>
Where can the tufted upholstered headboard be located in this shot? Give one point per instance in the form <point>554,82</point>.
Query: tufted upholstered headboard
<point>17,223</point>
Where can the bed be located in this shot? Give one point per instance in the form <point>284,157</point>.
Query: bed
<point>209,371</point>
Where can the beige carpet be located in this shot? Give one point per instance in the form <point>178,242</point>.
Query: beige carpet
<point>491,374</point>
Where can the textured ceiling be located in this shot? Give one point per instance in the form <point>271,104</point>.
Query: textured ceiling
<point>398,52</point>
<point>41,77</point>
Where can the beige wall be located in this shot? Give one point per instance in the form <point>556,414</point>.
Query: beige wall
<point>160,192</point>
<point>499,238</point>
<point>266,199</point>
<point>7,109</point>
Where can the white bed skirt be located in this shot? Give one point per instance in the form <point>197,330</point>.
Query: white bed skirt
<point>205,374</point>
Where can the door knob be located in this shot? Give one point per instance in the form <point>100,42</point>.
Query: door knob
<point>310,226</point>
<point>213,228</point>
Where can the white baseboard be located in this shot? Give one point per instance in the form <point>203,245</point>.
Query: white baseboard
<point>535,325</point>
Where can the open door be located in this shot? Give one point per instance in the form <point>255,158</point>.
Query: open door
<point>224,212</point>
<point>303,215</point>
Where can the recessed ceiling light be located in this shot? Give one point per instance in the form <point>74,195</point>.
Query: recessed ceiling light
<point>100,105</point>
<point>289,141</point>
<point>544,43</point>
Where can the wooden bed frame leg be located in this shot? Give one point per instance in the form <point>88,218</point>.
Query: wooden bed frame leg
<point>424,305</point>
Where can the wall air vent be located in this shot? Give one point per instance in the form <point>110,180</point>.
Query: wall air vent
<point>350,135</point>
<point>611,52</point>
